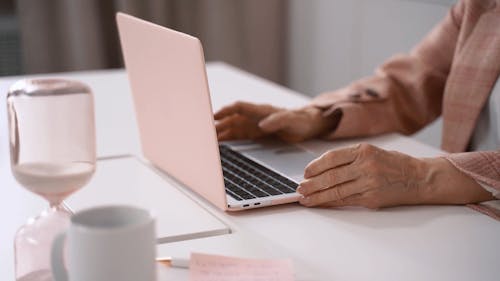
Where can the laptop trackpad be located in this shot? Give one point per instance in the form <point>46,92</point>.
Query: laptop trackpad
<point>289,160</point>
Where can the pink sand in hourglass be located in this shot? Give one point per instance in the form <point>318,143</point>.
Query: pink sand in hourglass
<point>53,181</point>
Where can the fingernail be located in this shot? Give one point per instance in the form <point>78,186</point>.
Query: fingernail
<point>263,125</point>
<point>300,189</point>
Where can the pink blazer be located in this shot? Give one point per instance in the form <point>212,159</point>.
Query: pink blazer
<point>451,72</point>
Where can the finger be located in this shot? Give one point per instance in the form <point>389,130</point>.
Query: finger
<point>225,135</point>
<point>331,159</point>
<point>243,108</point>
<point>330,195</point>
<point>328,179</point>
<point>227,110</point>
<point>276,121</point>
<point>226,123</point>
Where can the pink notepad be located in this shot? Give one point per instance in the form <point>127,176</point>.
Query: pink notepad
<point>203,267</point>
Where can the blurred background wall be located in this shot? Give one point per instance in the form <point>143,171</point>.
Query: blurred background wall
<point>309,46</point>
<point>10,53</point>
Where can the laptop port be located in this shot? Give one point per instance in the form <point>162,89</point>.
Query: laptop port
<point>246,205</point>
<point>256,204</point>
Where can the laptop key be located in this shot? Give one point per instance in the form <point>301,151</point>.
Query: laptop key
<point>234,195</point>
<point>245,177</point>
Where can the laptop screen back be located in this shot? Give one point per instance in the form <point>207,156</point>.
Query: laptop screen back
<point>166,70</point>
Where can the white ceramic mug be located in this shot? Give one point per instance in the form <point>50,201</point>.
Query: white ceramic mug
<point>107,243</point>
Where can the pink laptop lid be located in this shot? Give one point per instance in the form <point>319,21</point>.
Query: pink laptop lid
<point>166,70</point>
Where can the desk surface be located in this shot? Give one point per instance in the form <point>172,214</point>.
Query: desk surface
<point>405,243</point>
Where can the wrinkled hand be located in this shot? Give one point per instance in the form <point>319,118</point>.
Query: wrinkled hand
<point>364,175</point>
<point>243,120</point>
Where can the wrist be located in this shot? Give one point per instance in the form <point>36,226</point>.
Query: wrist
<point>431,174</point>
<point>445,184</point>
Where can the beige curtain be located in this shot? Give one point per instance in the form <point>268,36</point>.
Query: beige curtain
<point>68,35</point>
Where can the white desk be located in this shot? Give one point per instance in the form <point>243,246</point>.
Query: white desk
<point>407,243</point>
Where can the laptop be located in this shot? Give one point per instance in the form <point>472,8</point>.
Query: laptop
<point>167,75</point>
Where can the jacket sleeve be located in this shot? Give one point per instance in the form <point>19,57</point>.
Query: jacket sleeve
<point>484,167</point>
<point>404,94</point>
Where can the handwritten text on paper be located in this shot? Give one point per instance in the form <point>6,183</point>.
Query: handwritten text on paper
<point>205,267</point>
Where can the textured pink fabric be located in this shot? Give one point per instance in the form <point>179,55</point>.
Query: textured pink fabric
<point>474,71</point>
<point>483,166</point>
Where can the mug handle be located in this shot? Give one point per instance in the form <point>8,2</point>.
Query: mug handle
<point>59,271</point>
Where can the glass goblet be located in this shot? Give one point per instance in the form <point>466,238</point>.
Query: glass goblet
<point>53,154</point>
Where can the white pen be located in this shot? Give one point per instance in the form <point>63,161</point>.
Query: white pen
<point>174,262</point>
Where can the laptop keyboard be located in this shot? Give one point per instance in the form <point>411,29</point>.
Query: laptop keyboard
<point>247,179</point>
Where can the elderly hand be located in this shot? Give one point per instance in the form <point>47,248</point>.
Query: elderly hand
<point>364,175</point>
<point>243,120</point>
